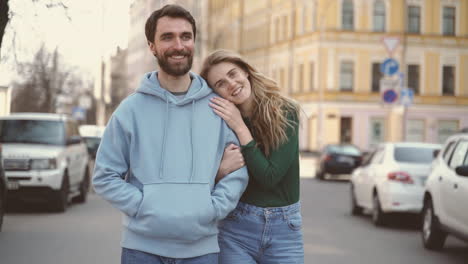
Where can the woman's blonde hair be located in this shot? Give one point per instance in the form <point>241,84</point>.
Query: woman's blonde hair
<point>271,109</point>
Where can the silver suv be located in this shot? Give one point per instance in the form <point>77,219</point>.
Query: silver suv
<point>45,159</point>
<point>446,194</point>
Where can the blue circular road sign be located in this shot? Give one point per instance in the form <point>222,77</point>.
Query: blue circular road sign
<point>389,66</point>
<point>390,96</point>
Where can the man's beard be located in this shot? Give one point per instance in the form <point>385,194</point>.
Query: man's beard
<point>175,69</point>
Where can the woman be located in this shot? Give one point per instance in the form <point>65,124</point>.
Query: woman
<point>266,225</point>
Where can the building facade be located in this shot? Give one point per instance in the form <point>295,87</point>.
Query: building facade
<point>328,55</point>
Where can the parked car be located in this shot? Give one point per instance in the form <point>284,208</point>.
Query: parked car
<point>446,195</point>
<point>3,190</point>
<point>337,159</point>
<point>391,180</point>
<point>92,135</point>
<point>44,158</point>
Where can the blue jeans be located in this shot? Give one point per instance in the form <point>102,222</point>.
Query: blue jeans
<point>251,234</point>
<point>132,256</point>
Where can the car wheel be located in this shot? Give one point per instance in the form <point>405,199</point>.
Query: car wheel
<point>320,175</point>
<point>378,216</point>
<point>84,188</point>
<point>432,236</point>
<point>355,208</point>
<point>61,199</point>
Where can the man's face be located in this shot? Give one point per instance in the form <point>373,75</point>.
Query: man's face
<point>173,45</point>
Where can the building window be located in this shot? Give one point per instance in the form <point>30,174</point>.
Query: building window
<point>446,128</point>
<point>413,78</point>
<point>379,16</point>
<point>415,130</point>
<point>347,15</point>
<point>377,130</point>
<point>448,80</point>
<point>346,76</point>
<point>449,21</point>
<point>346,128</point>
<point>311,76</point>
<point>301,78</point>
<point>376,76</point>
<point>414,19</point>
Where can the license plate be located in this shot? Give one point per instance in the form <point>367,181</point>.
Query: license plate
<point>346,160</point>
<point>13,185</point>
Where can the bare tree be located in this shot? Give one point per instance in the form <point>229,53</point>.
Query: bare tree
<point>6,14</point>
<point>46,78</point>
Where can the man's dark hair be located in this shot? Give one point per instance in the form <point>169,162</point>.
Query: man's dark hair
<point>174,11</point>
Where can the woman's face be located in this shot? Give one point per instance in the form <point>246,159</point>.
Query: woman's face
<point>230,82</point>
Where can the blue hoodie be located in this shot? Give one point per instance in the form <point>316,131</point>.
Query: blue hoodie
<point>157,163</point>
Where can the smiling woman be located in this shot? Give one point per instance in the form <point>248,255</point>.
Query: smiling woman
<point>266,124</point>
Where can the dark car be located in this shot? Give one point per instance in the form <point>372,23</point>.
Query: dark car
<point>337,159</point>
<point>2,189</point>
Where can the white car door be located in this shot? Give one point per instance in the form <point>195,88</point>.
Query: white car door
<point>456,190</point>
<point>360,175</point>
<point>371,176</point>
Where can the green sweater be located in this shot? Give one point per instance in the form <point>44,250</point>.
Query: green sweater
<point>273,180</point>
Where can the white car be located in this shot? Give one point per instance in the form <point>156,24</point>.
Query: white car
<point>446,195</point>
<point>92,135</point>
<point>391,180</point>
<point>45,159</point>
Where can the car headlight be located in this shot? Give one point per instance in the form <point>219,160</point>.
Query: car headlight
<point>43,164</point>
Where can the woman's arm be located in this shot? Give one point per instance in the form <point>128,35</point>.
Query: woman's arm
<point>233,118</point>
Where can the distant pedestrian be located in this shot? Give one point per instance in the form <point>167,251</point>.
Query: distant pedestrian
<point>161,151</point>
<point>266,225</point>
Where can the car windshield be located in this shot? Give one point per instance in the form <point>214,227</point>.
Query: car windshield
<point>414,154</point>
<point>32,132</point>
<point>345,149</point>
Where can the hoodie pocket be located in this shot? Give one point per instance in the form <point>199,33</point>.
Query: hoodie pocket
<point>175,211</point>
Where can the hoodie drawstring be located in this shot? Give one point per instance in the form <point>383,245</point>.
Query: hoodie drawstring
<point>166,118</point>
<point>191,140</point>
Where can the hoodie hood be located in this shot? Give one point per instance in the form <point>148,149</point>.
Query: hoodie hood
<point>150,85</point>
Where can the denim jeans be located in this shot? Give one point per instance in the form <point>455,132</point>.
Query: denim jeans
<point>132,256</point>
<point>252,234</point>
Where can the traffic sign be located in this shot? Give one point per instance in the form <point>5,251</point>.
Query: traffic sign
<point>390,96</point>
<point>391,43</point>
<point>389,67</point>
<point>387,83</point>
<point>79,113</point>
<point>406,96</point>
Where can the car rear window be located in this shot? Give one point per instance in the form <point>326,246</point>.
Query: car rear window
<point>347,150</point>
<point>414,154</point>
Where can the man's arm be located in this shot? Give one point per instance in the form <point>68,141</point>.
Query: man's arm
<point>112,164</point>
<point>229,189</point>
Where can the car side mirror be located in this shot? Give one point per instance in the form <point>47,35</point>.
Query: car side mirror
<point>435,153</point>
<point>74,140</point>
<point>462,170</point>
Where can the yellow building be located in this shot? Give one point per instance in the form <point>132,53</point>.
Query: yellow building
<point>327,54</point>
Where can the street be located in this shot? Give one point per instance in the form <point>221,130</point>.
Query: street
<point>90,233</point>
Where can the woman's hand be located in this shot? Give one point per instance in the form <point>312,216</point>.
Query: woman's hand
<point>229,112</point>
<point>233,118</point>
<point>232,161</point>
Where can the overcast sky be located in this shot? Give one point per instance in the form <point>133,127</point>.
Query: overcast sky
<point>96,27</point>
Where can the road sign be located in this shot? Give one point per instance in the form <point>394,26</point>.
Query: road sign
<point>390,96</point>
<point>389,66</point>
<point>406,96</point>
<point>79,113</point>
<point>391,43</point>
<point>387,83</point>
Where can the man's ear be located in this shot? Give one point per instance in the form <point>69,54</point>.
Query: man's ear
<point>151,46</point>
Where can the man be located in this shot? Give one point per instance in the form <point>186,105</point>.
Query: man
<point>160,154</point>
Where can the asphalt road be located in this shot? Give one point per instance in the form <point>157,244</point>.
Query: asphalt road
<point>90,233</point>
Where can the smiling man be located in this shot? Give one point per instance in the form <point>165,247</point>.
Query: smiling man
<point>161,152</point>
